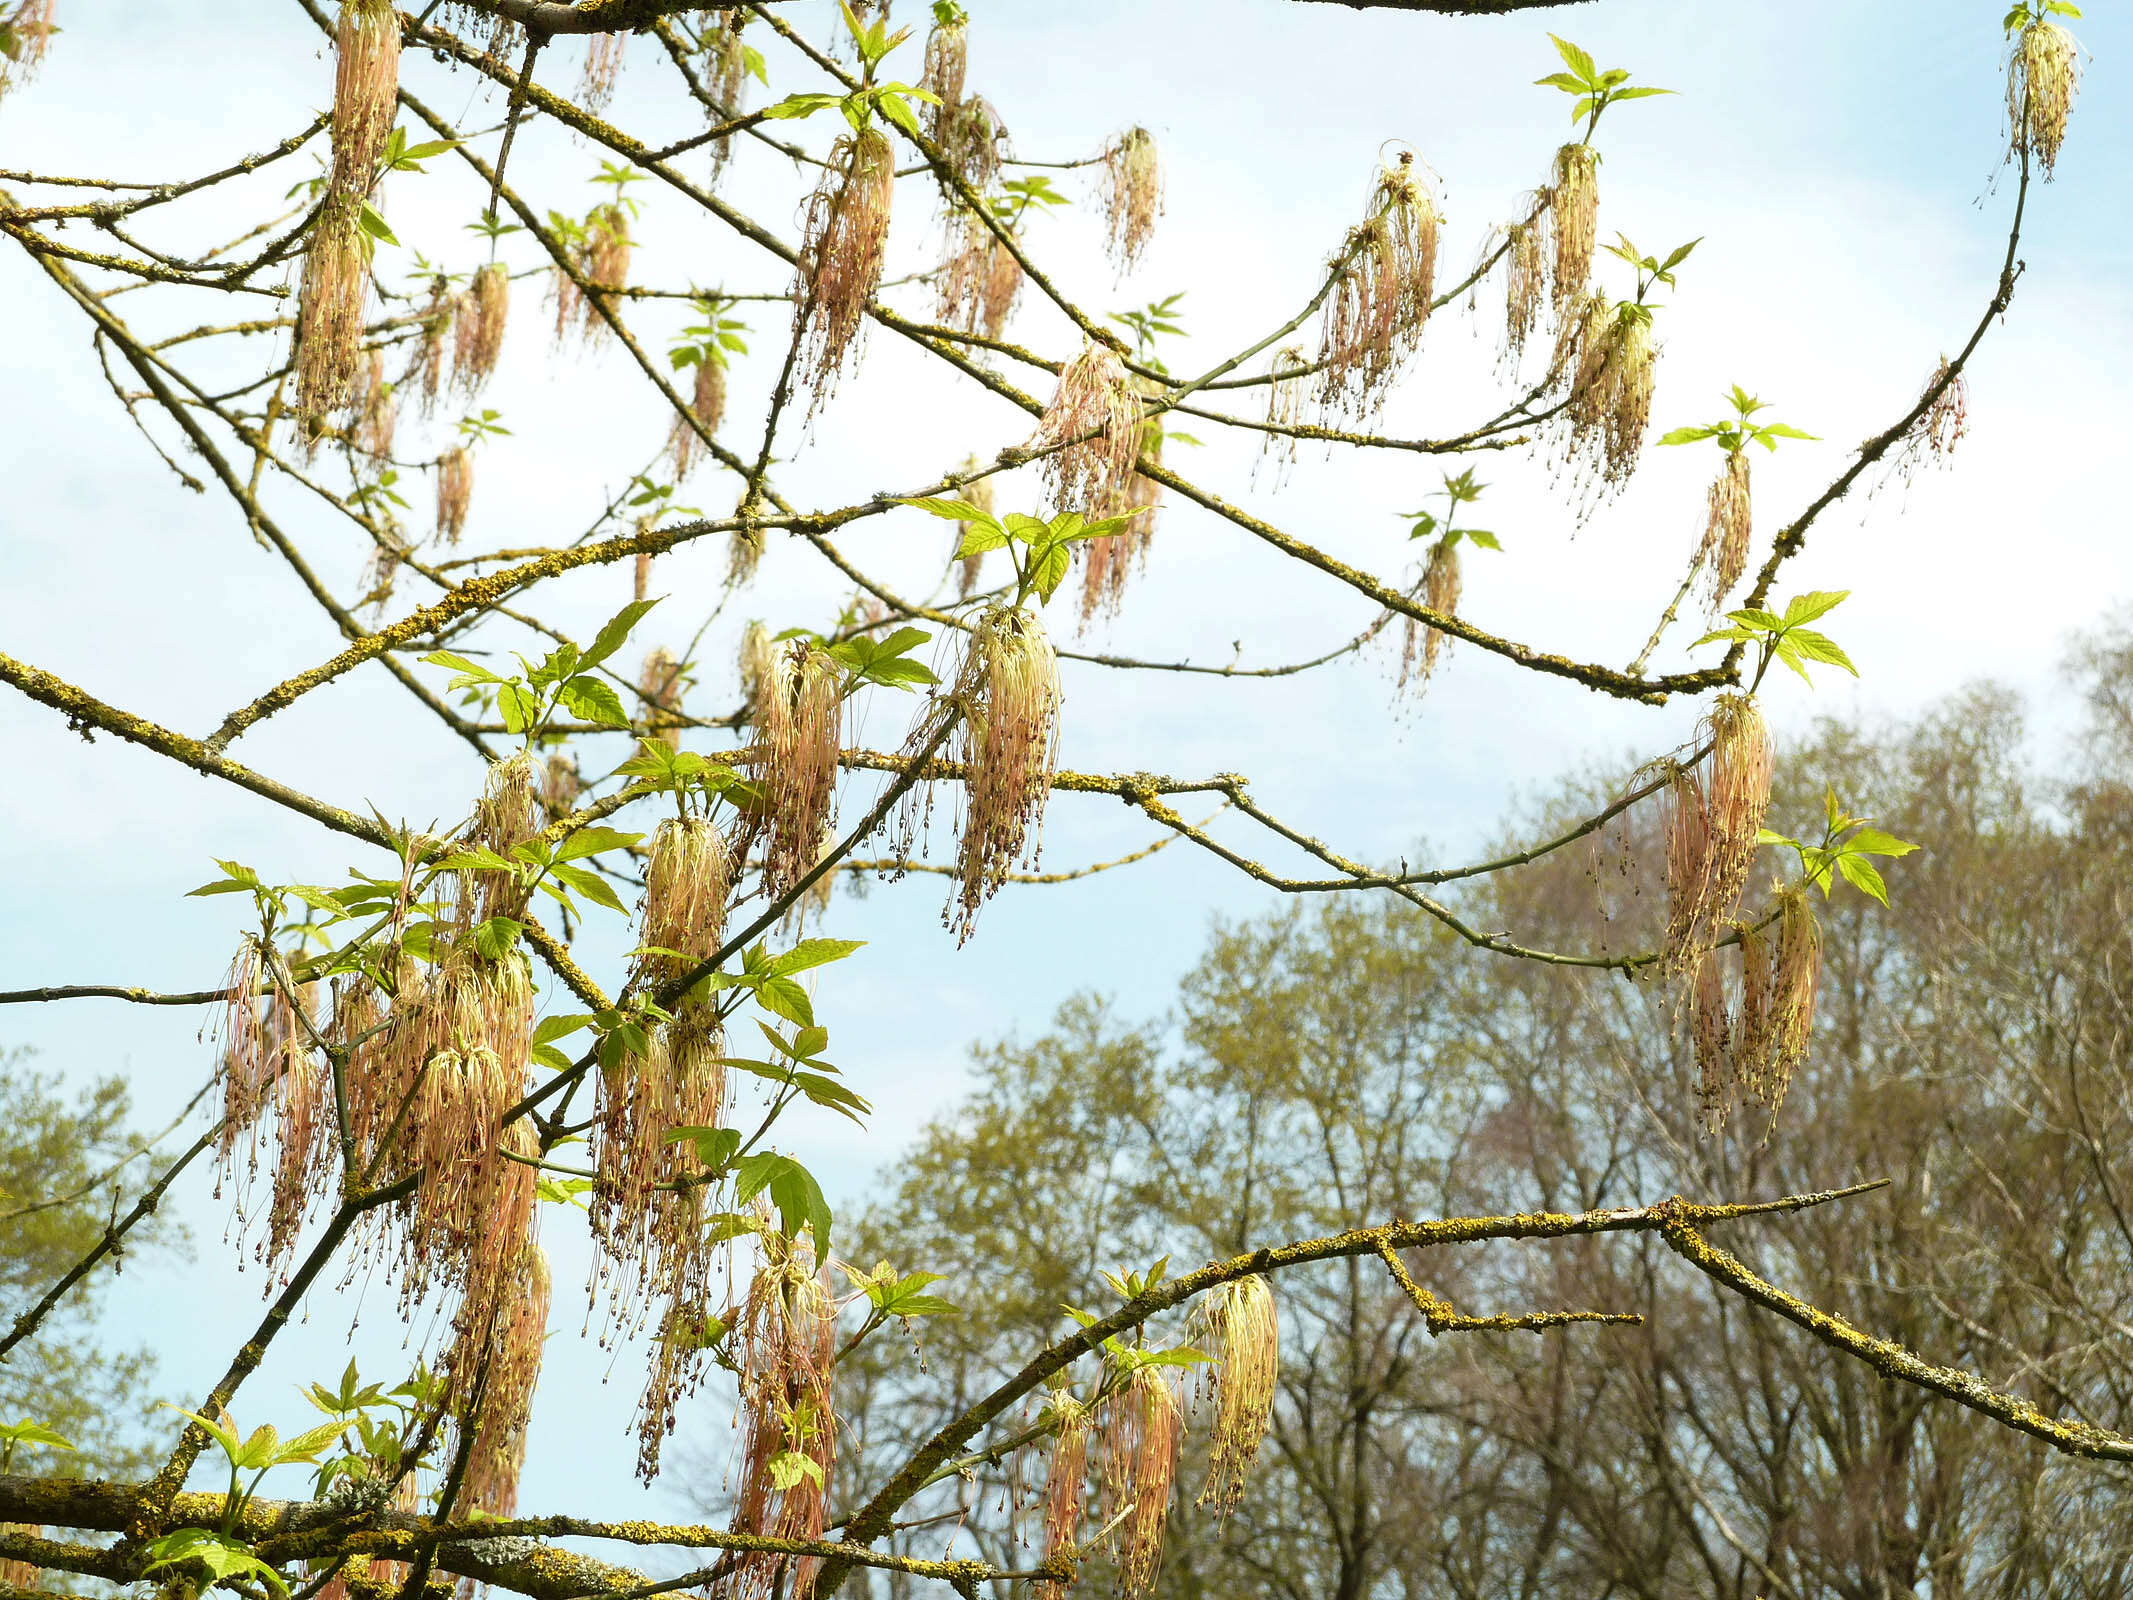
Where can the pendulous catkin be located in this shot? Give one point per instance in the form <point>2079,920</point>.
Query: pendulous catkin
<point>1384,285</point>
<point>1009,694</point>
<point>846,242</point>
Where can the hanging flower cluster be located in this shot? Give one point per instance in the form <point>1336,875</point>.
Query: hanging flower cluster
<point>1091,433</point>
<point>846,242</point>
<point>1384,283</point>
<point>788,1339</point>
<point>336,276</point>
<point>478,327</point>
<point>1133,196</point>
<point>2043,77</point>
<point>1009,695</point>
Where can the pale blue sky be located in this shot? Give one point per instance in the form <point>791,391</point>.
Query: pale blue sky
<point>1838,160</point>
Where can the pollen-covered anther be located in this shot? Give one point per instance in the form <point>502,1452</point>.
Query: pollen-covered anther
<point>478,327</point>
<point>1133,196</point>
<point>1713,830</point>
<point>980,281</point>
<point>1440,593</point>
<point>1574,211</point>
<point>1795,979</point>
<point>787,1337</point>
<point>34,23</point>
<point>1728,530</point>
<point>727,78</point>
<point>1284,408</point>
<point>330,300</point>
<point>455,492</point>
<point>366,89</point>
<point>1143,1424</point>
<point>1712,1039</point>
<point>1241,1325</point>
<point>686,885</point>
<point>646,1216</point>
<point>509,813</point>
<point>846,242</point>
<point>1384,284</point>
<point>603,67</point>
<point>1091,433</point>
<point>707,408</point>
<point>376,408</point>
<point>1525,282</point>
<point>2043,77</point>
<point>1010,698</point>
<point>1607,353</point>
<point>660,683</point>
<point>1065,1481</point>
<point>1946,419</point>
<point>425,375</point>
<point>799,720</point>
<point>510,1338</point>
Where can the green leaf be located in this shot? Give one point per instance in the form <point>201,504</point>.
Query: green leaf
<point>589,884</point>
<point>224,1436</point>
<point>1688,435</point>
<point>591,841</point>
<point>518,706</point>
<point>475,858</point>
<point>373,223</point>
<point>1577,60</point>
<point>615,632</point>
<point>494,938</point>
<point>1725,636</point>
<point>259,1450</point>
<point>550,1029</point>
<point>1818,647</point>
<point>223,1557</point>
<point>811,953</point>
<point>469,670</point>
<point>714,1146</point>
<point>793,1191</point>
<point>1484,538</point>
<point>222,886</point>
<point>1873,842</point>
<point>782,997</point>
<point>1862,875</point>
<point>833,1096</point>
<point>306,1446</point>
<point>1183,1355</point>
<point>896,110</point>
<point>561,1191</point>
<point>1048,569</point>
<point>1636,94</point>
<point>1815,603</point>
<point>954,510</point>
<point>789,1467</point>
<point>28,1432</point>
<point>796,106</point>
<point>593,700</point>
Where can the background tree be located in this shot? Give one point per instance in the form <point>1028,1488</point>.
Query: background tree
<point>1972,1050</point>
<point>63,1170</point>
